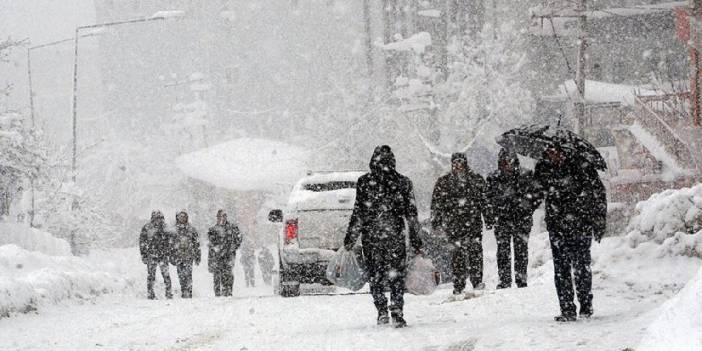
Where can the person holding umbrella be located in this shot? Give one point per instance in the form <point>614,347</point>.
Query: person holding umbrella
<point>576,208</point>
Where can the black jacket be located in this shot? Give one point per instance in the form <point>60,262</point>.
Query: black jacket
<point>457,204</point>
<point>384,202</point>
<point>154,243</point>
<point>186,245</point>
<point>576,201</point>
<point>224,240</point>
<point>512,195</point>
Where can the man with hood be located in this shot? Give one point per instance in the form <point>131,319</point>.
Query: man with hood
<point>457,203</point>
<point>186,251</point>
<point>512,198</point>
<point>224,239</point>
<point>154,245</point>
<point>384,207</point>
<point>576,212</point>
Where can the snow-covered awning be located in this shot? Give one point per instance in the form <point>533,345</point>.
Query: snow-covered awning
<point>246,164</point>
<point>603,92</point>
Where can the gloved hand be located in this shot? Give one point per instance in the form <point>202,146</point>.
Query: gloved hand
<point>197,261</point>
<point>419,252</point>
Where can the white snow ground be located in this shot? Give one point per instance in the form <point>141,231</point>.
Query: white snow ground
<point>628,293</point>
<point>646,287</point>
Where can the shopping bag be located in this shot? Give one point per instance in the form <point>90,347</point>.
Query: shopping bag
<point>346,269</point>
<point>422,277</point>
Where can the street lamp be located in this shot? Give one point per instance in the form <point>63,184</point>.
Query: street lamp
<point>158,16</point>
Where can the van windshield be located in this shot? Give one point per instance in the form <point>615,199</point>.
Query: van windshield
<point>330,186</point>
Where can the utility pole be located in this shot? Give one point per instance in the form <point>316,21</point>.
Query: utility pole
<point>580,14</point>
<point>579,106</point>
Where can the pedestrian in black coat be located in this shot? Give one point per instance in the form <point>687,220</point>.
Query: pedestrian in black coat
<point>384,207</point>
<point>266,262</point>
<point>248,260</point>
<point>154,246</point>
<point>576,212</point>
<point>458,206</point>
<point>185,252</point>
<point>512,196</point>
<point>224,239</point>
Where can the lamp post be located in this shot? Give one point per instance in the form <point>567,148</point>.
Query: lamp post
<point>158,16</point>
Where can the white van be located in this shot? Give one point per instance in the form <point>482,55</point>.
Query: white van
<point>314,227</point>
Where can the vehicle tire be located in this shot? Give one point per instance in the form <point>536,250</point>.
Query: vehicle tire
<point>289,289</point>
<point>287,286</point>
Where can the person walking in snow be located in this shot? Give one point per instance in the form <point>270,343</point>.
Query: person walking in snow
<point>224,239</point>
<point>186,251</point>
<point>248,260</point>
<point>154,246</point>
<point>457,204</point>
<point>512,199</point>
<point>576,212</point>
<point>266,264</point>
<point>384,206</point>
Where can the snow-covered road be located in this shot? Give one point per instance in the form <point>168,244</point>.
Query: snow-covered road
<point>626,297</point>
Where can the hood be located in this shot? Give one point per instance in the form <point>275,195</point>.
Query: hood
<point>157,217</point>
<point>383,160</point>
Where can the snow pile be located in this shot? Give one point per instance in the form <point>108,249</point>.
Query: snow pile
<point>668,218</point>
<point>33,239</point>
<point>29,279</point>
<point>246,164</point>
<point>678,324</point>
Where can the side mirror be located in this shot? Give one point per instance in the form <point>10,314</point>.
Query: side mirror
<point>275,216</point>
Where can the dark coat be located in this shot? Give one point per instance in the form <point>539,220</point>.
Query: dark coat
<point>457,204</point>
<point>224,240</point>
<point>186,245</point>
<point>576,201</point>
<point>512,195</point>
<point>384,202</point>
<point>154,243</point>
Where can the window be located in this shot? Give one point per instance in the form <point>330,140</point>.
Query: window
<point>330,186</point>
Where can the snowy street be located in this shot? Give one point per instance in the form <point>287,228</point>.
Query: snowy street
<point>628,293</point>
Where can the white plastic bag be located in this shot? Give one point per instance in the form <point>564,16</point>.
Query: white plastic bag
<point>422,277</point>
<point>346,270</point>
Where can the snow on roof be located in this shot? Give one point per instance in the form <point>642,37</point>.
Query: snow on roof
<point>417,43</point>
<point>603,92</point>
<point>564,18</point>
<point>326,177</point>
<point>246,164</point>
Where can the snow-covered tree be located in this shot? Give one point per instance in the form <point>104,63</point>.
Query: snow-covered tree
<point>482,95</point>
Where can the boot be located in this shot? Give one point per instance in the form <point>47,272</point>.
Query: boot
<point>397,318</point>
<point>169,295</point>
<point>564,318</point>
<point>383,317</point>
<point>503,286</point>
<point>586,312</point>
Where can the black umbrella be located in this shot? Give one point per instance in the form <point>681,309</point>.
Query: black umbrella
<point>533,140</point>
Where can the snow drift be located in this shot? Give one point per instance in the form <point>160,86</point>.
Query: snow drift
<point>33,239</point>
<point>246,164</point>
<point>672,220</point>
<point>678,325</point>
<point>29,279</point>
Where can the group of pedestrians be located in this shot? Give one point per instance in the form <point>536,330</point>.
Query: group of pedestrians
<point>463,203</point>
<point>180,246</point>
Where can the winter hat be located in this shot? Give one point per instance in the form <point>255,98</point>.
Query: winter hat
<point>459,157</point>
<point>156,214</point>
